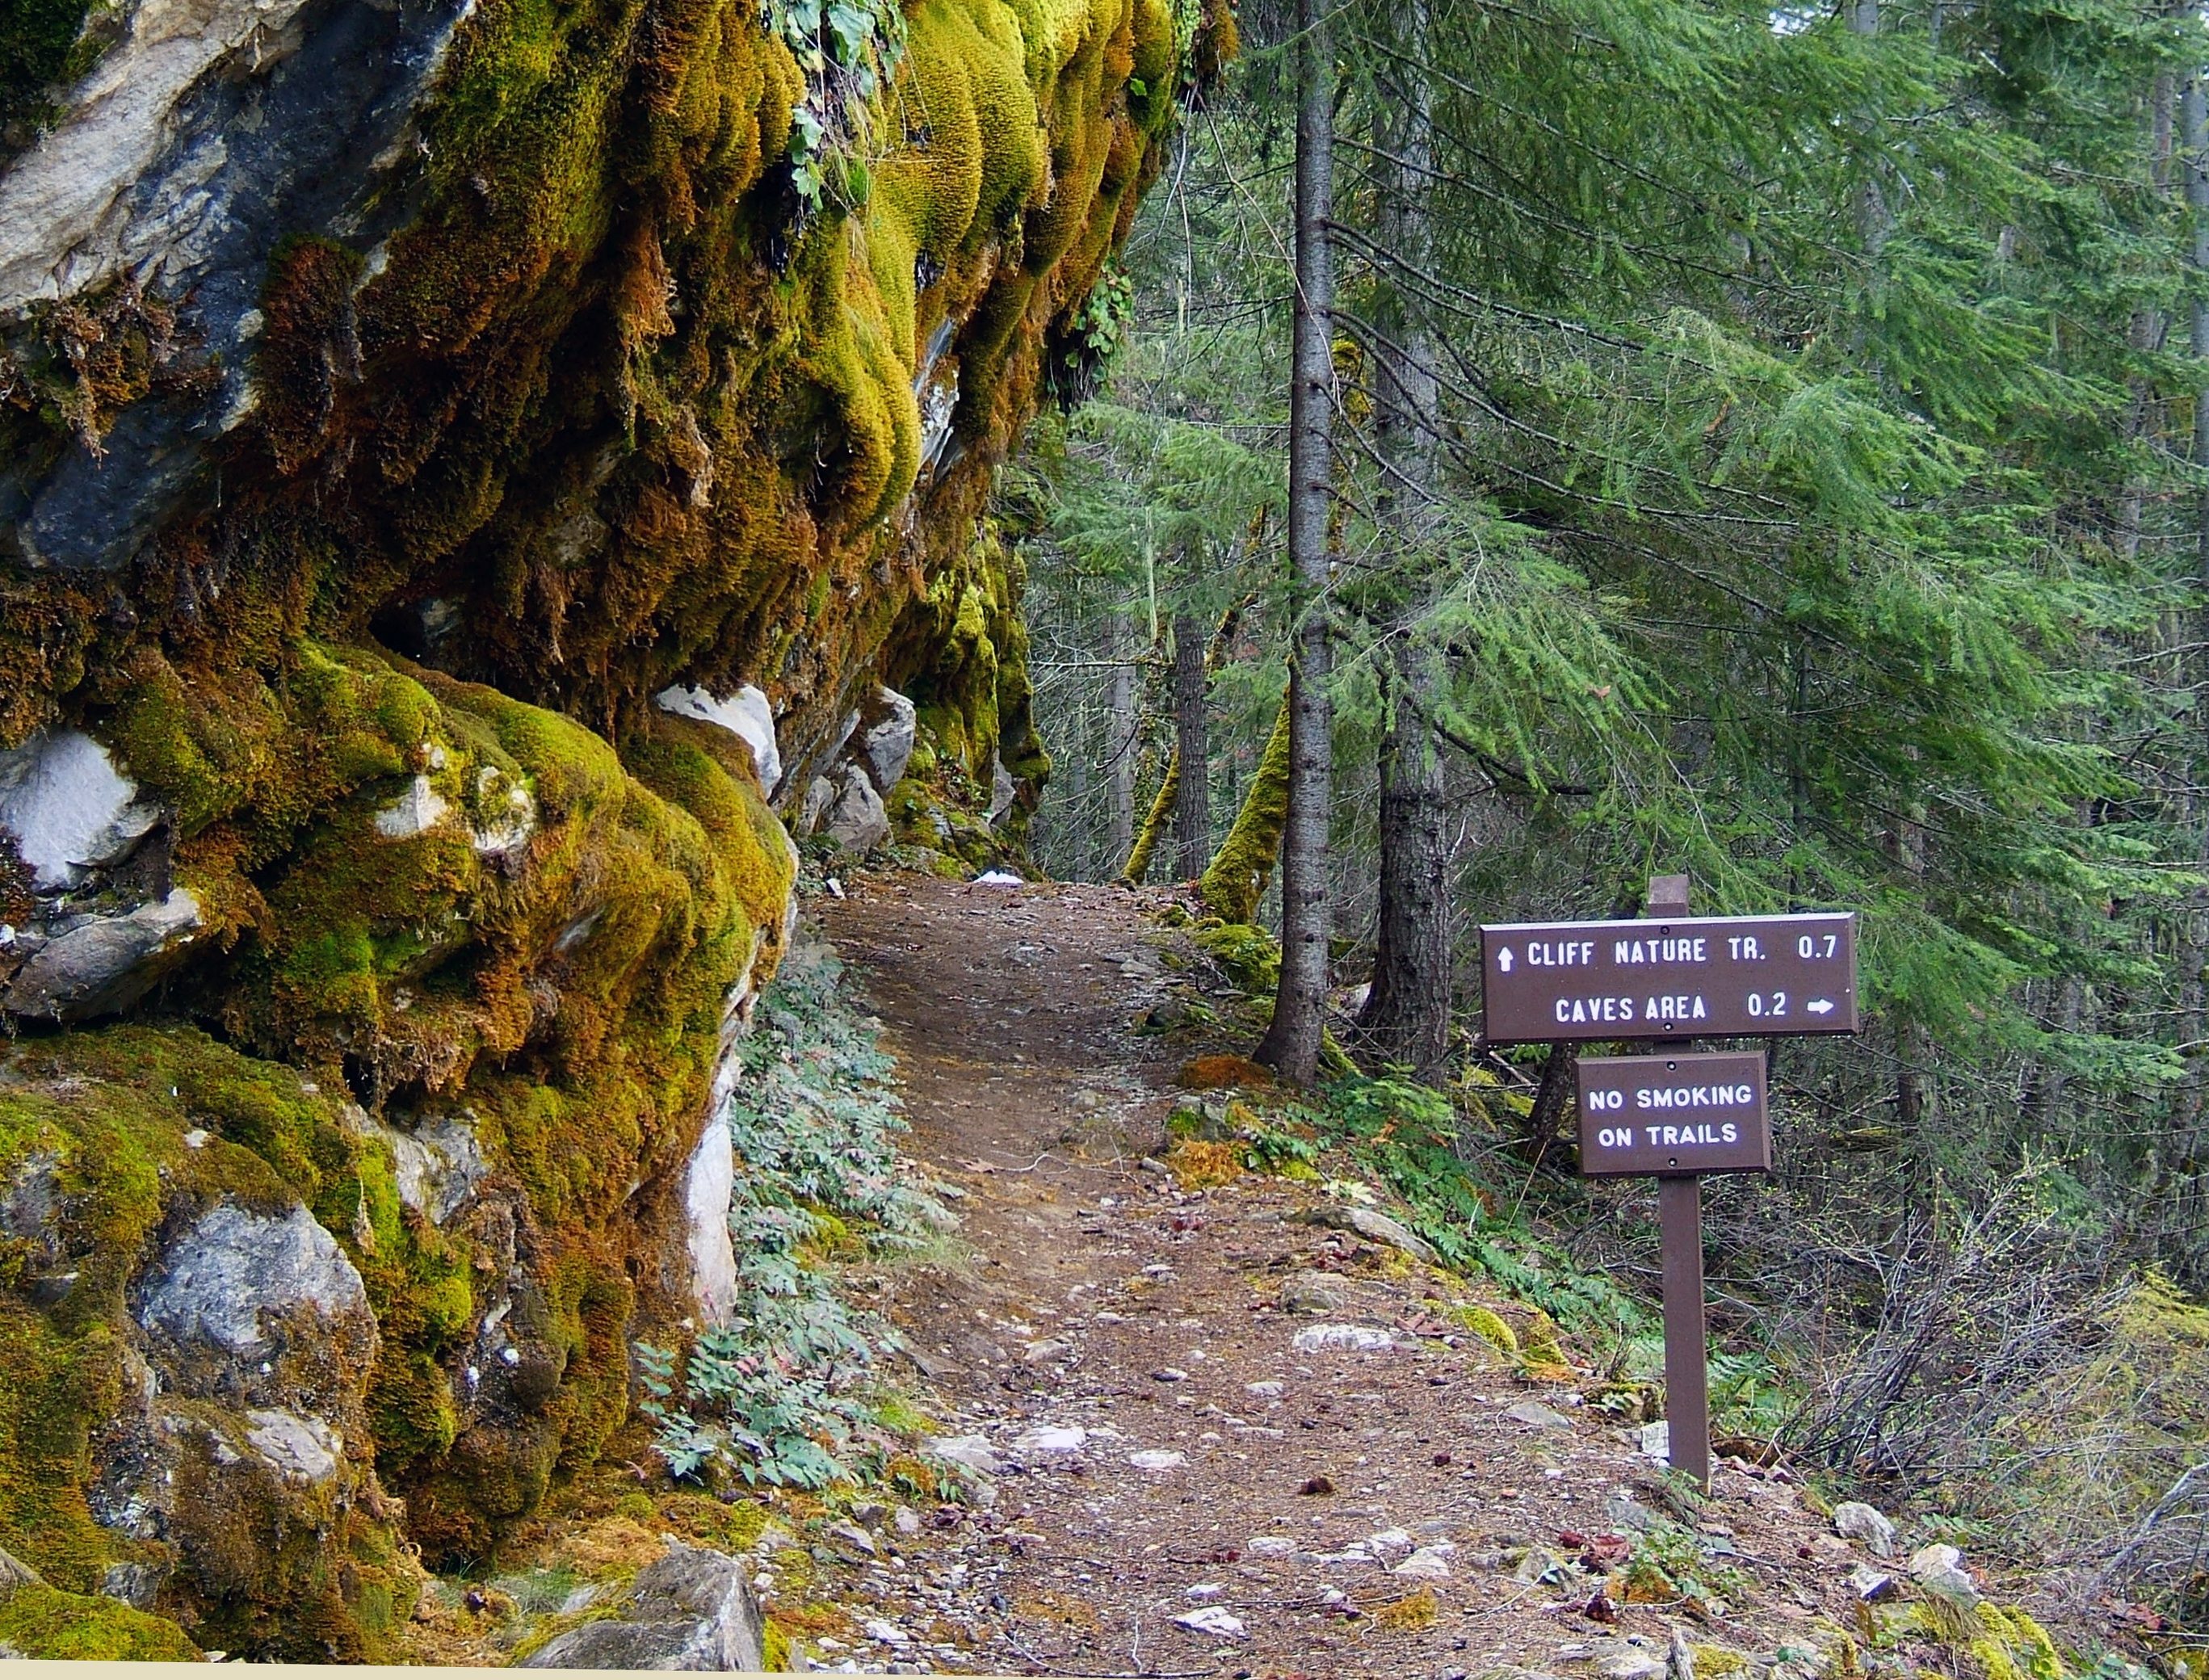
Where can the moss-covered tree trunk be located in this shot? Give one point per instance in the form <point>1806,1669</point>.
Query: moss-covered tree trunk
<point>1236,879</point>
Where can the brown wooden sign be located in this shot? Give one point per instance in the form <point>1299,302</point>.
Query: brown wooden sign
<point>1698,976</point>
<point>1685,1112</point>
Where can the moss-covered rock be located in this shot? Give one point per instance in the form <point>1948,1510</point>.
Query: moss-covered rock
<point>561,392</point>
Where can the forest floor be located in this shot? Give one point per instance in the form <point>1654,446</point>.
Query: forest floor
<point>1184,1487</point>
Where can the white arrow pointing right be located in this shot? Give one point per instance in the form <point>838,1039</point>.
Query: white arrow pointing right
<point>1820,1006</point>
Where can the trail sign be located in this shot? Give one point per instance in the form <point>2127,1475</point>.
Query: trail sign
<point>1674,1114</point>
<point>1677,977</point>
<point>1683,1112</point>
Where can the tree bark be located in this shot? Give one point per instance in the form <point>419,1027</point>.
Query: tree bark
<point>1121,739</point>
<point>1192,750</point>
<point>2193,941</point>
<point>1406,1021</point>
<point>1293,1041</point>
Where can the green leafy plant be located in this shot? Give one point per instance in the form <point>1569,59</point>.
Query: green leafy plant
<point>779,1393</point>
<point>849,49</point>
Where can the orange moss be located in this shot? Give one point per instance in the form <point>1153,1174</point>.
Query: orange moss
<point>1222,1073</point>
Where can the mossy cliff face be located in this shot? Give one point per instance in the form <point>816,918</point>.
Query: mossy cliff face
<point>502,379</point>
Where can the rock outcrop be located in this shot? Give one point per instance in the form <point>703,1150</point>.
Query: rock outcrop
<point>460,468</point>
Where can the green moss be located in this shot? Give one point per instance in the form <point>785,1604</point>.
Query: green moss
<point>41,1622</point>
<point>1488,1328</point>
<point>633,426</point>
<point>1249,956</point>
<point>1236,879</point>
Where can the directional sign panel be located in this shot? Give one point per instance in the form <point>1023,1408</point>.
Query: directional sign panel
<point>1694,977</point>
<point>1680,1113</point>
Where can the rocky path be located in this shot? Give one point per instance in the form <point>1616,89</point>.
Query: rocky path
<point>1221,1439</point>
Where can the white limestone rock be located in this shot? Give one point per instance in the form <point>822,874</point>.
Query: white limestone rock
<point>708,1182</point>
<point>418,810</point>
<point>239,1293</point>
<point>67,808</point>
<point>747,714</point>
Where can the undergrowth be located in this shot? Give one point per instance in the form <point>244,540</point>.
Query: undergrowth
<point>785,1392</point>
<point>1413,1140</point>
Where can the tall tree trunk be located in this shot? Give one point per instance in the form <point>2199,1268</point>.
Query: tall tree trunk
<point>1406,1018</point>
<point>1121,739</point>
<point>1168,796</point>
<point>2193,941</point>
<point>1293,1041</point>
<point>1192,749</point>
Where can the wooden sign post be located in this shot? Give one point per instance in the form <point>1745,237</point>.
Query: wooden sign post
<point>1672,1113</point>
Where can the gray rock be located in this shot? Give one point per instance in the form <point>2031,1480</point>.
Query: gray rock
<point>692,1610</point>
<point>819,794</point>
<point>1377,1227</point>
<point>1655,1440</point>
<point>1856,1520</point>
<point>258,1308</point>
<point>1318,1293</point>
<point>888,728</point>
<point>969,1452</point>
<point>304,1450</point>
<point>854,820</point>
<point>1003,790</point>
<point>1869,1584</point>
<point>1950,1582</point>
<point>437,1165</point>
<point>1373,1226</point>
<point>1541,1417</point>
<point>1628,1515</point>
<point>67,808</point>
<point>206,132</point>
<point>106,964</point>
<point>1427,1564</point>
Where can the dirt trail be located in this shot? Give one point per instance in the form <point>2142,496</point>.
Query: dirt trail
<point>1161,1446</point>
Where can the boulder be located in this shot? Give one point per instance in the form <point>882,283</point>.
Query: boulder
<point>855,819</point>
<point>691,1611</point>
<point>889,727</point>
<point>1321,1294</point>
<point>1374,1226</point>
<point>105,964</point>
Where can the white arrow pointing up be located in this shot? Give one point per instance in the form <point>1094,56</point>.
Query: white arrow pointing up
<point>1820,1006</point>
<point>1503,960</point>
